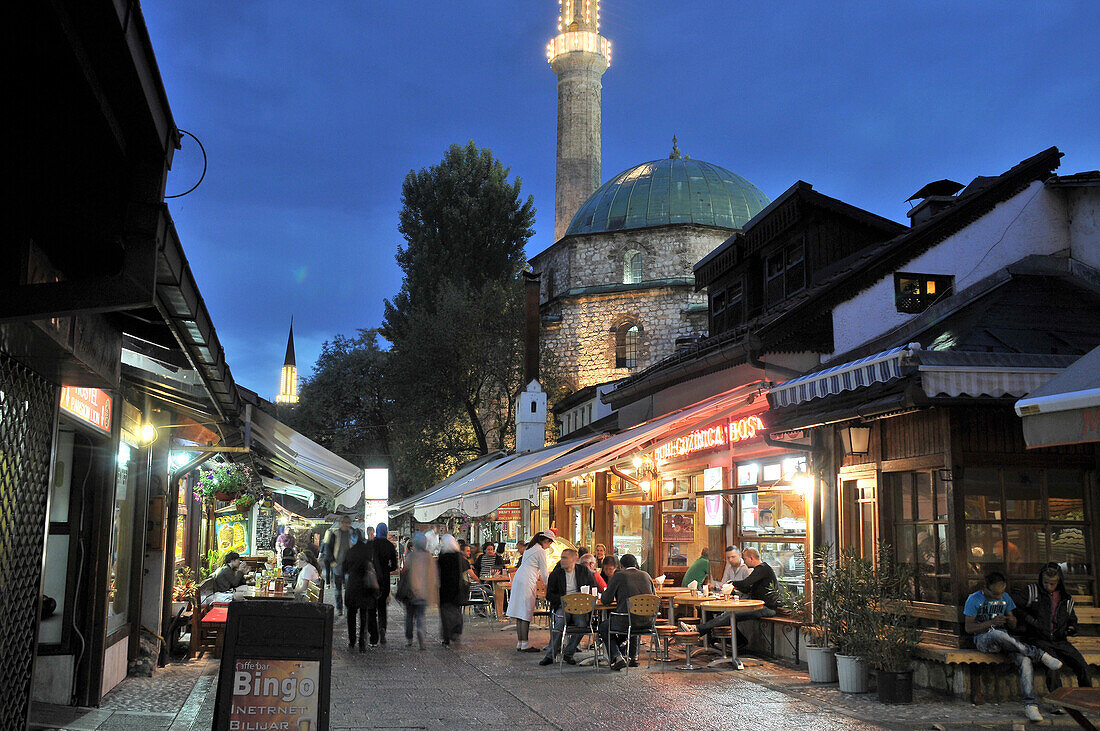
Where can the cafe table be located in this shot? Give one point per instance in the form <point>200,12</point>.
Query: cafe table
<point>604,610</point>
<point>500,586</point>
<point>692,601</point>
<point>734,606</point>
<point>252,592</point>
<point>667,594</point>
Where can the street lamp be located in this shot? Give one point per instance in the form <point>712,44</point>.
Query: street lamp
<point>148,433</point>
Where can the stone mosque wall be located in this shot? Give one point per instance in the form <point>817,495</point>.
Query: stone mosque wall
<point>580,324</point>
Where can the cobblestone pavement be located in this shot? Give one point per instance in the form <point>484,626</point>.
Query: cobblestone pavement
<point>486,684</point>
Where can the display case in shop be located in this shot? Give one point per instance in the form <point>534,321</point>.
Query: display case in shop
<point>772,518</point>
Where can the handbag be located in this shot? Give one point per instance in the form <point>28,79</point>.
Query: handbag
<point>404,588</point>
<point>371,577</point>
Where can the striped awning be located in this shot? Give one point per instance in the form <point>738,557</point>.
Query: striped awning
<point>879,368</point>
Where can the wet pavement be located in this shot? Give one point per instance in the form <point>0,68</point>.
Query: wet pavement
<point>486,684</point>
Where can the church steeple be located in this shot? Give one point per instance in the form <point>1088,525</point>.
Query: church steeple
<point>288,382</point>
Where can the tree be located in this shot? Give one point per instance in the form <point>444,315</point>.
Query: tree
<point>342,405</point>
<point>455,368</point>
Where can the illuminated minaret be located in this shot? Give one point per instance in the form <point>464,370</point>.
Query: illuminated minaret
<point>288,383</point>
<point>579,55</point>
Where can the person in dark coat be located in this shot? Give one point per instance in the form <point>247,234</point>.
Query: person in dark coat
<point>232,574</point>
<point>760,584</point>
<point>385,563</point>
<point>568,577</point>
<point>627,581</point>
<point>358,595</point>
<point>1046,611</point>
<point>452,590</point>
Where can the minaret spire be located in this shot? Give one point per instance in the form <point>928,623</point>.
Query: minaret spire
<point>288,381</point>
<point>579,55</point>
<point>289,360</point>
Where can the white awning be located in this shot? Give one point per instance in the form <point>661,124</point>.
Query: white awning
<point>298,461</point>
<point>1066,409</point>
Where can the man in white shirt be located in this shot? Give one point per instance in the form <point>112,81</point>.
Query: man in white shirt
<point>735,569</point>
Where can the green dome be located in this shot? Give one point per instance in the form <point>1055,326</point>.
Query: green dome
<point>662,192</point>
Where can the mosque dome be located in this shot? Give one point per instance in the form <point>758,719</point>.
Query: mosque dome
<point>674,190</point>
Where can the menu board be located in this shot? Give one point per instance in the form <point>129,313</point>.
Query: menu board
<point>677,528</point>
<point>274,694</point>
<point>231,533</point>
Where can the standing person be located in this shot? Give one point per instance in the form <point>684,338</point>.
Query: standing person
<point>1046,609</point>
<point>521,603</point>
<point>627,581</point>
<point>989,614</point>
<point>326,559</point>
<point>735,569</point>
<point>568,577</point>
<point>385,563</point>
<point>421,579</point>
<point>358,567</point>
<point>338,542</point>
<point>452,590</point>
<point>699,570</point>
<point>370,533</point>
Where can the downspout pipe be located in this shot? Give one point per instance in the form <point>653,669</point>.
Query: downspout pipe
<point>754,349</point>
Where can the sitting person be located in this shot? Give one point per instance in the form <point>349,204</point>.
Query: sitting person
<point>490,561</point>
<point>608,567</point>
<point>627,581</point>
<point>1046,609</point>
<point>989,614</point>
<point>590,561</point>
<point>760,584</point>
<point>568,577</point>
<point>232,574</point>
<point>735,568</point>
<point>698,571</point>
<point>309,572</point>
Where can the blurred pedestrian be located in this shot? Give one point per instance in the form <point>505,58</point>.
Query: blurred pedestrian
<point>337,542</point>
<point>361,591</point>
<point>452,590</point>
<point>421,580</point>
<point>385,563</point>
<point>521,603</point>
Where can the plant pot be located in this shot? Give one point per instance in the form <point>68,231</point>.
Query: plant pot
<point>895,687</point>
<point>822,664</point>
<point>851,671</point>
<point>227,496</point>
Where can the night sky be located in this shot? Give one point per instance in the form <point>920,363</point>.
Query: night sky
<point>313,112</point>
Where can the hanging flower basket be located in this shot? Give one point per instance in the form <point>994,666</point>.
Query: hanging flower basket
<point>224,482</point>
<point>244,503</point>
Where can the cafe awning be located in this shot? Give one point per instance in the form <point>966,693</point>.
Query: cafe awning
<point>296,460</point>
<point>471,494</point>
<point>1066,409</point>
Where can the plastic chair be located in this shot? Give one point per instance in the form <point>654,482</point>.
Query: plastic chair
<point>644,609</point>
<point>572,605</point>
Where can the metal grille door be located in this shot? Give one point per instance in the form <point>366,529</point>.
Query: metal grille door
<point>27,408</point>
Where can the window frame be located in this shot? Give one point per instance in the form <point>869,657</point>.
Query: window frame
<point>933,288</point>
<point>632,267</point>
<point>625,345</point>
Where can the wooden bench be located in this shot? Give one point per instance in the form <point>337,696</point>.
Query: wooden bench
<point>207,623</point>
<point>785,624</point>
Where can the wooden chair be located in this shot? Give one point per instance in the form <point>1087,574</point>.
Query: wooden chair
<point>207,623</point>
<point>575,605</point>
<point>644,610</point>
<point>315,593</point>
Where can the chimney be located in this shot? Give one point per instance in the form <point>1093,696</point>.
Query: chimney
<point>532,284</point>
<point>934,197</point>
<point>531,405</point>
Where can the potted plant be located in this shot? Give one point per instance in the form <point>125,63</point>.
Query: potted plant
<point>244,503</point>
<point>183,589</point>
<point>895,632</point>
<point>849,619</point>
<point>820,651</point>
<point>224,482</point>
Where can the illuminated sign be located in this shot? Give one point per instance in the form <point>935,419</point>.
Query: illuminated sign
<point>709,438</point>
<point>509,511</point>
<point>376,484</point>
<point>90,405</point>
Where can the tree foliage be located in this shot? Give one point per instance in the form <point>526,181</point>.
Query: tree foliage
<point>342,405</point>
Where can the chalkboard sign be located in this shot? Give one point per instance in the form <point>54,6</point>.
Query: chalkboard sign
<point>266,530</point>
<point>275,666</point>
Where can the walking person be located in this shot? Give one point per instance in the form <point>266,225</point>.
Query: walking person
<point>521,603</point>
<point>420,578</point>
<point>452,590</point>
<point>361,592</point>
<point>385,563</point>
<point>337,543</point>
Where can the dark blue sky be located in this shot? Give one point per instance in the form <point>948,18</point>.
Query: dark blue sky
<point>313,112</point>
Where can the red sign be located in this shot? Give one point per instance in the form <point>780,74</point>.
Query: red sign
<point>709,438</point>
<point>90,405</point>
<point>510,511</point>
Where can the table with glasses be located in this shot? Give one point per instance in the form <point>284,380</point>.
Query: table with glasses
<point>500,583</point>
<point>734,606</point>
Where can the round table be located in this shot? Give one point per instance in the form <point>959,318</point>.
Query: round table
<point>500,585</point>
<point>691,601</point>
<point>734,607</point>
<point>667,594</point>
<point>603,610</point>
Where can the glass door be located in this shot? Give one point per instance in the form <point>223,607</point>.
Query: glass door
<point>858,513</point>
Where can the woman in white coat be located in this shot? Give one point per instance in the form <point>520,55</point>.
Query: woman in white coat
<point>521,601</point>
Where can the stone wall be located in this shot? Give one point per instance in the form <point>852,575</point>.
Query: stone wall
<point>984,683</point>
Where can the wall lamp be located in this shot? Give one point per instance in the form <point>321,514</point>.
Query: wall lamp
<point>856,439</point>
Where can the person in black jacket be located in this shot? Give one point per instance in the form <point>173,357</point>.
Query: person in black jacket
<point>760,584</point>
<point>627,581</point>
<point>452,590</point>
<point>568,577</point>
<point>1046,611</point>
<point>359,596</point>
<point>385,563</point>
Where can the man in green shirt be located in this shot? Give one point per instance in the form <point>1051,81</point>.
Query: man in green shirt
<point>699,570</point>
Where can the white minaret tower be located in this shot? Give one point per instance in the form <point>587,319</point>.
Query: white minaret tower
<point>579,55</point>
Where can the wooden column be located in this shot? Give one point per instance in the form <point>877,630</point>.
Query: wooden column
<point>602,525</point>
<point>956,506</point>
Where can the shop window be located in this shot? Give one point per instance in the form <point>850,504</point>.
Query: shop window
<point>122,535</point>
<point>626,346</point>
<point>632,267</point>
<point>633,533</point>
<point>919,506</point>
<point>773,512</point>
<point>787,559</point>
<point>915,293</point>
<point>1019,519</point>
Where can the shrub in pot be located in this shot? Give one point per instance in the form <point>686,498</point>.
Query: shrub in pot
<point>895,632</point>
<point>849,619</point>
<point>820,652</point>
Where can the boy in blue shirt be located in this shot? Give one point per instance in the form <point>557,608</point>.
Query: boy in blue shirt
<point>989,614</point>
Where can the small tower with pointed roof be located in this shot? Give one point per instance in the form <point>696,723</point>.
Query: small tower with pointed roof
<point>288,382</point>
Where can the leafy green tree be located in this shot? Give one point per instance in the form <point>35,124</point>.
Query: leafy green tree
<point>342,405</point>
